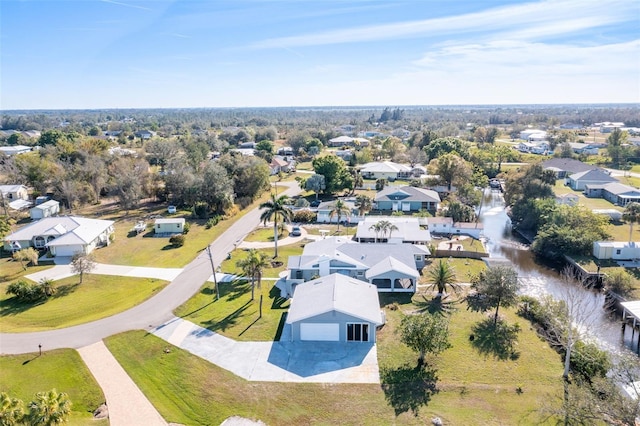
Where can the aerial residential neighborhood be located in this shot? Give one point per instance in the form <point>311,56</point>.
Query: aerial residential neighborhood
<point>249,213</point>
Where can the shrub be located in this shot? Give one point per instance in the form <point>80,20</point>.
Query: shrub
<point>27,292</point>
<point>231,212</point>
<point>187,227</point>
<point>212,222</point>
<point>200,210</point>
<point>244,202</point>
<point>588,361</point>
<point>304,216</point>
<point>177,240</point>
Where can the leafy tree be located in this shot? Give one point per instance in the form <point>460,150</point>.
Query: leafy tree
<point>52,137</point>
<point>620,281</point>
<point>339,209</point>
<point>615,146</point>
<point>632,215</point>
<point>315,183</point>
<point>500,153</point>
<point>252,267</point>
<point>25,256</point>
<point>380,184</point>
<point>216,188</point>
<point>265,149</point>
<point>128,178</point>
<point>448,145</point>
<point>335,173</point>
<point>364,204</point>
<point>11,410</point>
<point>416,156</point>
<point>160,151</point>
<point>442,275</point>
<point>177,240</point>
<point>82,263</point>
<point>460,212</point>
<point>250,175</point>
<point>495,287</point>
<point>451,169</point>
<point>529,183</point>
<point>276,209</point>
<point>425,333</point>
<point>16,139</point>
<point>5,226</point>
<point>49,408</point>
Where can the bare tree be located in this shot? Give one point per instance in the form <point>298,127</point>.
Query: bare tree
<point>81,263</point>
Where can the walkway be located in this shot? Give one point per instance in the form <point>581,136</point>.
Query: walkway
<point>283,361</point>
<point>126,403</point>
<point>59,272</point>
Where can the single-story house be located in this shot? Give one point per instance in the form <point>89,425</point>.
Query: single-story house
<point>533,134</point>
<point>247,145</point>
<point>335,308</point>
<point>390,267</point>
<point>582,148</point>
<point>170,226</point>
<point>14,192</point>
<point>385,170</point>
<point>144,134</point>
<point>539,147</point>
<point>282,164</point>
<point>46,209</point>
<point>64,235</point>
<point>345,154</point>
<point>407,199</point>
<point>567,199</point>
<point>616,250</point>
<point>15,149</point>
<point>408,231</point>
<point>348,141</point>
<point>620,194</point>
<point>564,167</point>
<point>578,181</point>
<point>446,226</point>
<point>325,208</point>
<point>615,215</point>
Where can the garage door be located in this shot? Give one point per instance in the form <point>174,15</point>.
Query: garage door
<point>328,332</point>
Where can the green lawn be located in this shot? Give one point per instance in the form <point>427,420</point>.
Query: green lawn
<point>11,270</point>
<point>99,296</point>
<point>463,386</point>
<point>22,376</point>
<point>592,203</point>
<point>235,315</point>
<point>464,268</point>
<point>263,234</point>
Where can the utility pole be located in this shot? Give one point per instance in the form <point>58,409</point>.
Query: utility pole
<point>213,268</point>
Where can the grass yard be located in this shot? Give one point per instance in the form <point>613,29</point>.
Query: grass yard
<point>235,315</point>
<point>99,296</point>
<point>467,384</point>
<point>22,376</point>
<point>11,270</point>
<point>592,203</point>
<point>263,234</point>
<point>464,268</point>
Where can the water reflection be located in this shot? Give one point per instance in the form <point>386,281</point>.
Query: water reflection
<point>538,280</point>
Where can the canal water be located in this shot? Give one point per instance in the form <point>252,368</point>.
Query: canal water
<point>538,280</point>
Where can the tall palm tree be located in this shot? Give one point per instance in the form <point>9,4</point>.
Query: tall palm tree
<point>376,227</point>
<point>632,215</point>
<point>275,209</point>
<point>441,276</point>
<point>387,227</point>
<point>252,267</point>
<point>339,209</point>
<point>364,204</point>
<point>49,408</point>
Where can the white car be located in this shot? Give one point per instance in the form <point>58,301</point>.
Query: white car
<point>172,209</point>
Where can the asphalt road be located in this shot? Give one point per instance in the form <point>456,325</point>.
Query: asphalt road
<point>151,313</point>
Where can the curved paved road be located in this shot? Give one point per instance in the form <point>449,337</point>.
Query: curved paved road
<point>152,312</point>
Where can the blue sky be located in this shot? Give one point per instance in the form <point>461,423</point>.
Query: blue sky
<point>244,53</point>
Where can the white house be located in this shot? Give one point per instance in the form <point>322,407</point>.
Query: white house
<point>616,250</point>
<point>15,149</point>
<point>63,236</point>
<point>168,227</point>
<point>526,134</point>
<point>14,192</point>
<point>385,170</point>
<point>579,181</point>
<point>325,208</point>
<point>446,226</point>
<point>408,230</point>
<point>46,209</point>
<point>335,308</point>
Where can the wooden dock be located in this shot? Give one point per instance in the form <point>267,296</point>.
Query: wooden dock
<point>631,316</point>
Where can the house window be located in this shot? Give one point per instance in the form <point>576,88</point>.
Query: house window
<point>618,251</point>
<point>178,225</point>
<point>357,332</point>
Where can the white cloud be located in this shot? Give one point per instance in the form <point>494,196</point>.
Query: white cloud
<point>538,19</point>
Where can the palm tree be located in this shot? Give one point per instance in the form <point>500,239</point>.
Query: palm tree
<point>276,209</point>
<point>364,204</point>
<point>632,215</point>
<point>339,209</point>
<point>252,267</point>
<point>11,410</point>
<point>49,408</point>
<point>443,275</point>
<point>387,227</point>
<point>376,227</point>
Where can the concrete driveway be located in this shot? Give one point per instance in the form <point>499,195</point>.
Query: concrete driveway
<point>283,361</point>
<point>59,272</point>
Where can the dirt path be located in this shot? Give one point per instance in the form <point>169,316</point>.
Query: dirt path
<point>126,403</point>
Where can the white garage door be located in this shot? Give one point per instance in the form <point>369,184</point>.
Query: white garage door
<point>327,332</point>
<point>67,250</point>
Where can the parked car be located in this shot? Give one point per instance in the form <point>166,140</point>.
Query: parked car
<point>172,209</point>
<point>295,231</point>
<point>315,203</point>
